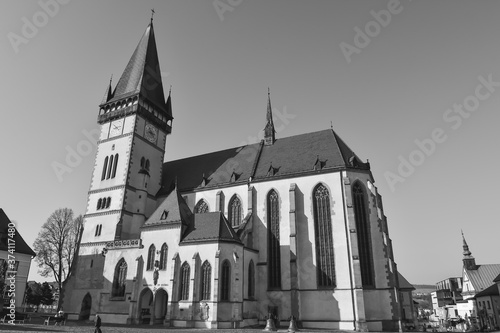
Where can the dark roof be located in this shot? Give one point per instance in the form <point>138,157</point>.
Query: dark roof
<point>142,74</point>
<point>20,244</point>
<point>403,283</point>
<point>482,277</point>
<point>210,227</point>
<point>305,153</point>
<point>173,209</point>
<point>490,291</point>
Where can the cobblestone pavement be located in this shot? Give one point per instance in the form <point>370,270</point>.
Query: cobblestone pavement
<point>88,328</point>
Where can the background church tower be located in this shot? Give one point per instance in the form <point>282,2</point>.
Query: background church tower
<point>135,120</point>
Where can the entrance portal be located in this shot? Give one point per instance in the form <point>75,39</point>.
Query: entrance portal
<point>85,309</point>
<point>161,300</point>
<point>145,306</point>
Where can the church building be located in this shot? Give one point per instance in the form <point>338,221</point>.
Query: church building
<point>285,227</point>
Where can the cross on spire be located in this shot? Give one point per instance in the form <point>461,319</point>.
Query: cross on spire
<point>152,14</point>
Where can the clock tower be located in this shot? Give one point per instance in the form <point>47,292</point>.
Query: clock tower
<point>135,120</point>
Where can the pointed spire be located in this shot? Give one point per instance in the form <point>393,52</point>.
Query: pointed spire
<point>109,92</point>
<point>269,132</point>
<point>142,76</point>
<point>465,246</point>
<point>168,105</point>
<point>468,260</point>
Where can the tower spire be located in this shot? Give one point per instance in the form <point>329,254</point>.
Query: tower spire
<point>142,75</point>
<point>269,131</point>
<point>468,260</point>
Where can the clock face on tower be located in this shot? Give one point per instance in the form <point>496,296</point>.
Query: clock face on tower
<point>151,133</point>
<point>116,128</point>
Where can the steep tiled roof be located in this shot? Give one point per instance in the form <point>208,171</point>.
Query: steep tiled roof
<point>482,277</point>
<point>404,284</point>
<point>305,153</point>
<point>173,209</point>
<point>210,227</point>
<point>490,291</point>
<point>142,74</point>
<point>20,244</point>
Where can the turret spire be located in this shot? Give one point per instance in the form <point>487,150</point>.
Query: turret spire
<point>108,95</point>
<point>468,260</point>
<point>269,132</point>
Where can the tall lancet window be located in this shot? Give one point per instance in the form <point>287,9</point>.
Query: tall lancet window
<point>325,262</point>
<point>184,286</point>
<point>206,278</point>
<point>201,207</point>
<point>225,285</point>
<point>151,257</point>
<point>273,241</point>
<point>119,279</point>
<point>235,211</point>
<point>104,168</point>
<point>251,279</point>
<point>363,231</point>
<point>163,256</point>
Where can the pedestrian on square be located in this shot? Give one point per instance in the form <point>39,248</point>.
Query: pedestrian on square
<point>97,324</point>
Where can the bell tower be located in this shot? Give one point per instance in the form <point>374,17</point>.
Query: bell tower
<point>135,120</point>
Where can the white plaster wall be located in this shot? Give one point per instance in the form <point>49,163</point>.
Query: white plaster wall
<point>21,276</point>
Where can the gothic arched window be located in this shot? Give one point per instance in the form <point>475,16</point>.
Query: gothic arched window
<point>234,211</point>
<point>114,166</point>
<point>119,279</point>
<point>225,284</point>
<point>110,166</point>
<point>184,285</point>
<point>108,202</point>
<point>363,233</point>
<point>201,207</point>
<point>251,279</point>
<point>163,256</point>
<point>151,257</point>
<point>99,203</point>
<point>273,241</point>
<point>104,168</point>
<point>206,276</point>
<point>325,262</point>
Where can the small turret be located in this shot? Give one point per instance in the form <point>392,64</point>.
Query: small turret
<point>468,260</point>
<point>269,132</point>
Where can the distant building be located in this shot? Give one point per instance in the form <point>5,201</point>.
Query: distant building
<point>488,307</point>
<point>408,313</point>
<point>476,278</point>
<point>472,298</point>
<point>15,261</point>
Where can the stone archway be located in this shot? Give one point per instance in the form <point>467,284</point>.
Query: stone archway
<point>145,306</point>
<point>160,306</point>
<point>85,308</point>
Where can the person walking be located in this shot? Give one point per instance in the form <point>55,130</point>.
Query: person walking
<point>97,324</point>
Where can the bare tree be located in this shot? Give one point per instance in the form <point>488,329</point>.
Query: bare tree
<point>57,245</point>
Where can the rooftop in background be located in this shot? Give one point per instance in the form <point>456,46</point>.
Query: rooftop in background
<point>20,244</point>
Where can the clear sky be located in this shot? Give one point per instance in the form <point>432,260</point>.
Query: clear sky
<point>398,87</point>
